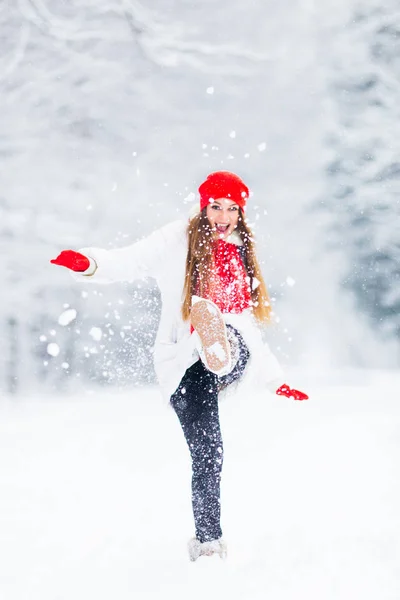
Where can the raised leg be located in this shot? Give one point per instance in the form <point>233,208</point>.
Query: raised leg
<point>209,326</point>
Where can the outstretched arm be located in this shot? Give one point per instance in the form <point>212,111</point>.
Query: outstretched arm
<point>137,261</point>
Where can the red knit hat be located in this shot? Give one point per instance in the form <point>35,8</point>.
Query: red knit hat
<point>223,184</point>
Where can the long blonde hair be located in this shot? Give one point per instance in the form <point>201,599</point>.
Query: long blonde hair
<point>199,264</point>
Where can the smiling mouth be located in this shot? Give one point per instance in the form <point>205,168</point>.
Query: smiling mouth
<point>222,228</point>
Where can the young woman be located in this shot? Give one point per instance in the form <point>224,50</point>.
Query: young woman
<point>213,300</point>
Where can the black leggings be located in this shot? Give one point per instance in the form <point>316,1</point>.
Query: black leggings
<point>196,404</point>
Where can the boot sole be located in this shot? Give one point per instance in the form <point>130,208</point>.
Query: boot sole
<point>207,321</point>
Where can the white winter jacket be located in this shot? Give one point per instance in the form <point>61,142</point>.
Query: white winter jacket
<point>162,255</point>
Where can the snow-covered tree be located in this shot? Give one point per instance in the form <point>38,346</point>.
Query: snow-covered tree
<point>364,173</point>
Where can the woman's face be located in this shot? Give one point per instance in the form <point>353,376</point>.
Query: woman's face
<point>223,215</point>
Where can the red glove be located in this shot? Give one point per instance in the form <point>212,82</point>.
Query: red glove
<point>72,260</point>
<point>285,390</point>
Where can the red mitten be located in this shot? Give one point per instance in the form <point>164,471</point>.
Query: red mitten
<point>72,260</point>
<point>285,390</point>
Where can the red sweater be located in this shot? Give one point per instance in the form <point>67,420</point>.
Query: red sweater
<point>228,285</point>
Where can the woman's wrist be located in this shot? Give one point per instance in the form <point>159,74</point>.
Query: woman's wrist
<point>92,268</point>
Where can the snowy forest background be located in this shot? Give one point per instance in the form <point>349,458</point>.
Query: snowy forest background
<point>113,112</point>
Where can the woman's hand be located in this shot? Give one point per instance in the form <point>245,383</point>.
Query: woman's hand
<point>72,260</point>
<point>285,390</point>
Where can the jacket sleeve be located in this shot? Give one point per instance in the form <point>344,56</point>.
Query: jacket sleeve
<point>142,259</point>
<point>274,373</point>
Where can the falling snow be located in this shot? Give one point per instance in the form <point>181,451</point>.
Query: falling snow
<point>290,281</point>
<point>96,333</point>
<point>67,317</point>
<point>53,349</point>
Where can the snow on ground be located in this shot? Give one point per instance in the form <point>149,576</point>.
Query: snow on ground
<point>95,497</point>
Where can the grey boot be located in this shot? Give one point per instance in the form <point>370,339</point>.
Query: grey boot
<point>197,548</point>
